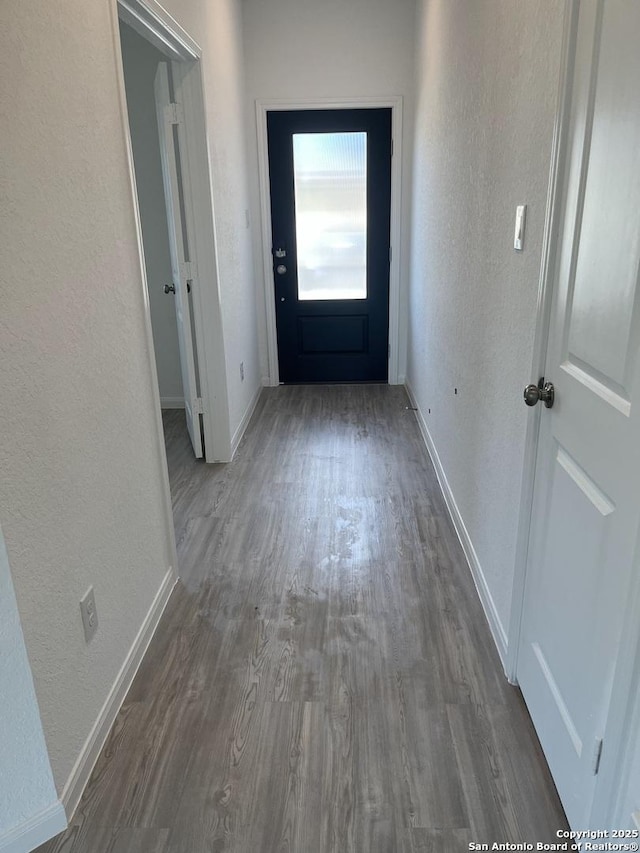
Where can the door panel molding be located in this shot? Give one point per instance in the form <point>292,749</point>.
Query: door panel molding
<point>560,704</point>
<point>395,103</point>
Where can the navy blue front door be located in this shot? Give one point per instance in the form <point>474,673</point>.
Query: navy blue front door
<point>330,180</point>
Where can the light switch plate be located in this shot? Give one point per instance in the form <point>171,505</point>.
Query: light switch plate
<point>521,216</point>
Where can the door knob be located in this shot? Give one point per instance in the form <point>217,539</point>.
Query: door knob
<point>281,269</point>
<point>544,391</point>
<point>169,288</point>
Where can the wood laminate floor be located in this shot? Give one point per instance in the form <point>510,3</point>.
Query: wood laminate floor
<point>323,679</point>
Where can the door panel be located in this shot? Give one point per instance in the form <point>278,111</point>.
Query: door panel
<point>170,154</point>
<point>578,532</point>
<point>586,514</point>
<point>601,317</point>
<point>330,179</point>
<point>332,334</point>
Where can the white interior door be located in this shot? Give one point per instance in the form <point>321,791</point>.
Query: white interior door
<point>169,131</point>
<point>586,514</point>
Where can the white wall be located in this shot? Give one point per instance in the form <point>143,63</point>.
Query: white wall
<point>302,49</point>
<point>82,497</point>
<point>27,791</point>
<point>81,494</point>
<point>140,60</point>
<point>486,83</point>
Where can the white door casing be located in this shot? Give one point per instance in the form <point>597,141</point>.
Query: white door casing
<point>168,113</point>
<point>586,506</point>
<point>397,324</point>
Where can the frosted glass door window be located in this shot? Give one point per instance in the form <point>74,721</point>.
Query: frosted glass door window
<point>330,180</point>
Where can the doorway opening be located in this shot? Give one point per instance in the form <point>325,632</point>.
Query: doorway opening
<point>161,80</point>
<point>266,113</point>
<point>156,154</point>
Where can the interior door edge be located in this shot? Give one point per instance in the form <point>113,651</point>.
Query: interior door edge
<point>545,293</point>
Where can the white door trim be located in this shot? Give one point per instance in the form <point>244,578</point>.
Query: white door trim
<point>621,730</point>
<point>154,24</point>
<point>395,103</point>
<point>155,390</point>
<point>545,292</point>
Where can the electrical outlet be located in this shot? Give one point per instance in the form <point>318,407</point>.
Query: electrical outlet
<point>242,371</point>
<point>89,614</point>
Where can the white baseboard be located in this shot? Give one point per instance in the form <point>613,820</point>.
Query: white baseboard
<point>85,763</point>
<point>244,423</point>
<point>34,831</point>
<point>172,402</point>
<point>488,604</point>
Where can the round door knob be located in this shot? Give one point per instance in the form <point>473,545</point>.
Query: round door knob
<point>531,395</point>
<point>544,391</point>
<point>169,288</point>
<point>281,269</point>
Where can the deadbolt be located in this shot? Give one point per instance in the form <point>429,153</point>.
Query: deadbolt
<point>281,269</point>
<point>544,391</point>
<point>169,288</point>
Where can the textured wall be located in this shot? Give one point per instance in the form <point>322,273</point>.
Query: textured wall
<point>216,26</point>
<point>140,60</point>
<point>487,73</point>
<point>301,49</point>
<point>26,783</point>
<point>81,492</point>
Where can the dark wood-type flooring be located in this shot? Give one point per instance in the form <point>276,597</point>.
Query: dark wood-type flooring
<point>323,679</point>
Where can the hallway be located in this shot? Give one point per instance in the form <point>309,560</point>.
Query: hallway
<point>323,678</point>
